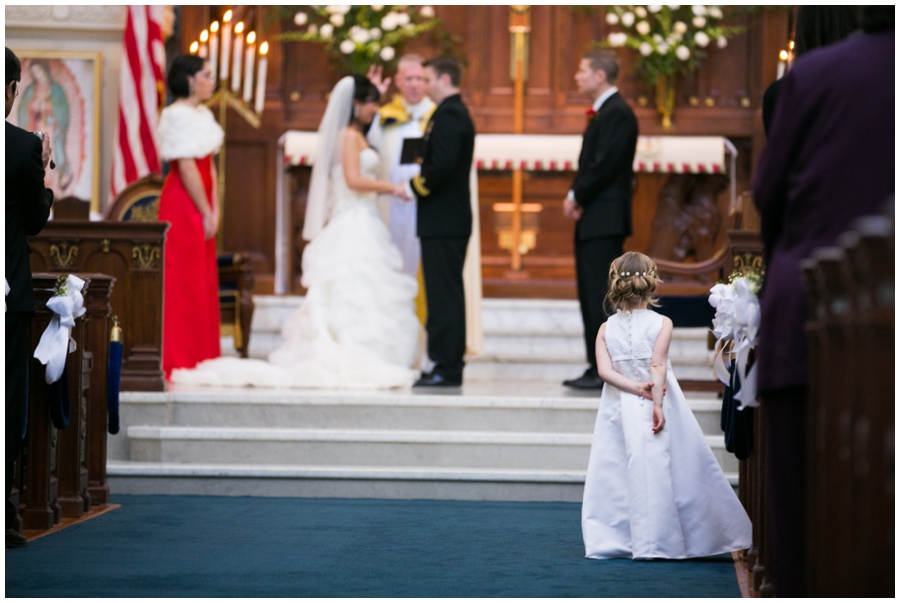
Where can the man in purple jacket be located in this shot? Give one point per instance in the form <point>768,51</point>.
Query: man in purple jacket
<point>829,159</point>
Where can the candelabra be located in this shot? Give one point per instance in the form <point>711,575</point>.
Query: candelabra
<point>234,60</point>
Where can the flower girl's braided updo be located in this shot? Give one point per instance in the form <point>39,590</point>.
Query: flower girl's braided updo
<point>633,279</point>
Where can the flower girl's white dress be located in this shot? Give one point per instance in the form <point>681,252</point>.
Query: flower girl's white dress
<point>357,326</point>
<point>652,495</point>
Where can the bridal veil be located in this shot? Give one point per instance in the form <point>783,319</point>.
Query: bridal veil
<point>329,148</point>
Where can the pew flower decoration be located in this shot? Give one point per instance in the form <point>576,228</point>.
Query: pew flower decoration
<point>359,36</point>
<point>669,39</point>
<point>736,325</point>
<point>56,343</point>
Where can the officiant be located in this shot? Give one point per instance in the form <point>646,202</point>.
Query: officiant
<point>395,133</point>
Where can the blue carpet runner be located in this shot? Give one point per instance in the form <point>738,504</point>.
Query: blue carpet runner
<point>193,546</point>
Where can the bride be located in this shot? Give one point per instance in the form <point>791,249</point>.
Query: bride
<point>357,326</point>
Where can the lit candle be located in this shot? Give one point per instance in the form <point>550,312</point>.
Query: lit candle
<point>782,63</point>
<point>249,56</point>
<point>261,79</point>
<point>214,49</point>
<point>238,55</point>
<point>226,45</point>
<point>195,46</point>
<point>204,43</point>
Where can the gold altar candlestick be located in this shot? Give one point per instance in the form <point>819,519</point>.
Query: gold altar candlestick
<point>519,26</point>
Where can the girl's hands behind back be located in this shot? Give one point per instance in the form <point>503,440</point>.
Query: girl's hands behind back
<point>644,390</point>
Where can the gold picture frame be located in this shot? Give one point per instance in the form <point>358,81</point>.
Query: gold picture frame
<point>60,95</point>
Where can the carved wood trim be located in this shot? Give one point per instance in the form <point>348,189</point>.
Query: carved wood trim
<point>146,257</point>
<point>63,255</point>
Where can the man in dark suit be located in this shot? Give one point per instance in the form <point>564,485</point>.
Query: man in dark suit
<point>830,157</point>
<point>600,198</point>
<point>444,220</point>
<point>27,209</point>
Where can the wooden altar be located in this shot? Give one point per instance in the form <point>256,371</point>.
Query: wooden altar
<point>131,253</point>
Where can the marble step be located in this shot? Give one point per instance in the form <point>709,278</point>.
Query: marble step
<point>128,477</point>
<point>487,371</point>
<point>489,407</point>
<point>373,448</point>
<point>499,316</point>
<point>527,340</point>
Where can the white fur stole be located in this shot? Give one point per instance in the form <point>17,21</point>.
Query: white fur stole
<point>187,132</point>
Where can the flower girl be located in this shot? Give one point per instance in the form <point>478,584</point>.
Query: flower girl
<point>653,488</point>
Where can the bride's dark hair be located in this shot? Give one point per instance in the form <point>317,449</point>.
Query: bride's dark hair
<point>364,91</point>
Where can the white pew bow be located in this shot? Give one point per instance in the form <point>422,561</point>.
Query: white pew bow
<point>57,342</point>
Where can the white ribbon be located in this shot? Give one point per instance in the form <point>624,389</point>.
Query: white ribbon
<point>57,342</point>
<point>737,321</point>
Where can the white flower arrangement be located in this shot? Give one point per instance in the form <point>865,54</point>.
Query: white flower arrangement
<point>359,36</point>
<point>669,39</point>
<point>736,323</point>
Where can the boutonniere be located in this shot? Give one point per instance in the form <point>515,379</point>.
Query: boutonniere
<point>591,116</point>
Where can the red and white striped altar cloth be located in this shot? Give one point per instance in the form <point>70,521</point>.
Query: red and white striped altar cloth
<point>549,153</point>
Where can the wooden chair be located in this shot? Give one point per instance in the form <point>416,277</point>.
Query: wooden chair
<point>71,209</point>
<point>140,203</point>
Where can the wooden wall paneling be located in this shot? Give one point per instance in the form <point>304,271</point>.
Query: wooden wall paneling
<point>300,77</point>
<point>539,86</point>
<point>249,209</point>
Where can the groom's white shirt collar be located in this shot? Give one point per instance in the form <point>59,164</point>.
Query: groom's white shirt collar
<point>602,98</point>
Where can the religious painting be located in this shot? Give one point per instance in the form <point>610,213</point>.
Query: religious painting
<point>59,95</point>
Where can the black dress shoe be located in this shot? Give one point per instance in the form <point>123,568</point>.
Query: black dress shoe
<point>437,380</point>
<point>589,380</point>
<point>14,540</point>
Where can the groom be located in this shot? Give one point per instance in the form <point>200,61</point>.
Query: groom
<point>444,220</point>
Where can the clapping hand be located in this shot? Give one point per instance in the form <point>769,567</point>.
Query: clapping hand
<point>45,150</point>
<point>375,76</point>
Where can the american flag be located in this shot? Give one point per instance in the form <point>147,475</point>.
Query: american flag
<point>141,96</point>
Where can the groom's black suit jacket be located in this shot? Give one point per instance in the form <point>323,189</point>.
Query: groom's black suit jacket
<point>442,186</point>
<point>603,183</point>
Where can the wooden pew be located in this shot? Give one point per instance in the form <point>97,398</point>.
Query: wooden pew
<point>39,464</point>
<point>63,471</point>
<point>851,418</point>
<point>98,302</point>
<point>746,255</point>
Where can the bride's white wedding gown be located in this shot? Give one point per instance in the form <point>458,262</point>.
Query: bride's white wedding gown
<point>652,495</point>
<point>357,326</point>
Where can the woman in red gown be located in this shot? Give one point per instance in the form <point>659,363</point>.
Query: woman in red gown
<point>188,138</point>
